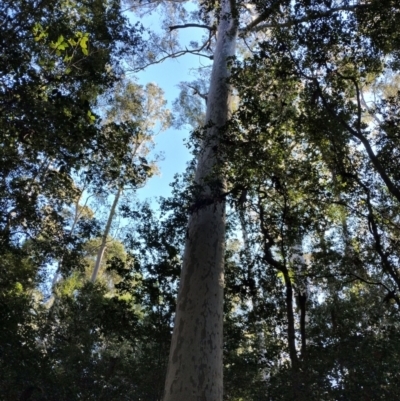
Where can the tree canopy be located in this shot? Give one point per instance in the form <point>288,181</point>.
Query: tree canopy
<point>284,229</point>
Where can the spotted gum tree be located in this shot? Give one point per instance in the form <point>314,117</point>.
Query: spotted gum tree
<point>195,361</point>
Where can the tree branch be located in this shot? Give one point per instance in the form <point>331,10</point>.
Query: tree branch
<point>234,10</point>
<point>373,228</point>
<point>370,282</point>
<point>210,28</point>
<point>367,146</point>
<point>262,17</point>
<point>255,27</point>
<point>291,331</point>
<point>196,92</point>
<point>150,3</point>
<point>174,55</point>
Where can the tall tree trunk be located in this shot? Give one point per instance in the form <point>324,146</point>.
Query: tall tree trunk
<point>103,244</point>
<point>195,360</point>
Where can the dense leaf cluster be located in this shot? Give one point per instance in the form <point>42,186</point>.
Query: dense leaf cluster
<point>311,160</point>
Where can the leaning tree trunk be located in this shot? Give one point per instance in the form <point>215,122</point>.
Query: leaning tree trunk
<point>104,237</point>
<point>195,360</point>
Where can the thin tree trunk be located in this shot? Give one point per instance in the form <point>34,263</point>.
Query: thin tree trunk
<point>103,245</point>
<point>296,388</point>
<point>298,262</point>
<point>291,333</point>
<point>299,365</point>
<point>74,223</point>
<point>195,360</point>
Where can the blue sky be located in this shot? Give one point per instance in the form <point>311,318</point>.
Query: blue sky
<point>167,75</point>
<point>170,142</point>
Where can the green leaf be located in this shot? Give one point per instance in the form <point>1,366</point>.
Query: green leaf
<point>39,32</point>
<point>83,44</point>
<point>282,277</point>
<point>91,117</point>
<point>18,287</point>
<point>60,45</point>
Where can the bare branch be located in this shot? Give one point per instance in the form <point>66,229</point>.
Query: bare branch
<point>174,55</point>
<point>174,27</point>
<point>196,92</point>
<point>370,282</point>
<point>150,3</point>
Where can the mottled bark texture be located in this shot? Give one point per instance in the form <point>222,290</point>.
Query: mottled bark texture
<point>195,361</point>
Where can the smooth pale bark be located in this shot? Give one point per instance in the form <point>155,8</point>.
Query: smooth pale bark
<point>195,360</point>
<point>301,389</point>
<point>104,237</point>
